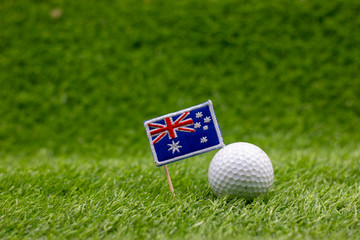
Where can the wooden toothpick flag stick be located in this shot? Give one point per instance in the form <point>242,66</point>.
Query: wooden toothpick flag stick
<point>169,180</point>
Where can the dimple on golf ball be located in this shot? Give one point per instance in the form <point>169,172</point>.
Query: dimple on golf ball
<point>241,170</point>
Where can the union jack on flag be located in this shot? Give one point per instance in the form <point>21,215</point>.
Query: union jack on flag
<point>183,134</point>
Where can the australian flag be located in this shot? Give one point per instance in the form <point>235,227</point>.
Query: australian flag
<point>183,134</point>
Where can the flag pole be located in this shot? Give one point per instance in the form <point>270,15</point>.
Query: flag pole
<point>169,180</point>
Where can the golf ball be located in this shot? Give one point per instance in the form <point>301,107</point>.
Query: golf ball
<point>241,170</point>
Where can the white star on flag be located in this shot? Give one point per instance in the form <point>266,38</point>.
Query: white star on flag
<point>205,127</point>
<point>207,120</point>
<point>197,125</point>
<point>203,139</point>
<point>199,115</point>
<point>174,147</point>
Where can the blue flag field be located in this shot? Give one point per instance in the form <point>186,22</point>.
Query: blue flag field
<point>183,134</point>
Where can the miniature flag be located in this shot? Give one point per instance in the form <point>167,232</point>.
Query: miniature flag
<point>183,134</point>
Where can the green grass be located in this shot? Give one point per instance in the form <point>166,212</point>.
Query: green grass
<point>82,198</point>
<point>75,90</point>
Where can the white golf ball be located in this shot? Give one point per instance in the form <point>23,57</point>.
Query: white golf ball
<point>241,170</point>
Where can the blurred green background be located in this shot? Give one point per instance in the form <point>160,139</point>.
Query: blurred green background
<point>80,77</point>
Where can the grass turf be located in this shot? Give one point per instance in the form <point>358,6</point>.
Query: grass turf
<point>315,195</point>
<point>76,87</point>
